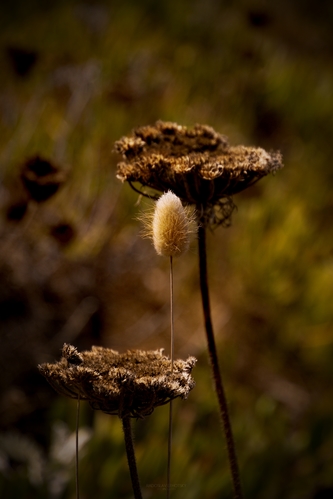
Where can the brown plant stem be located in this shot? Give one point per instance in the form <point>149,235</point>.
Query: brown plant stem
<point>172,359</point>
<point>215,364</point>
<point>131,457</point>
<point>77,448</point>
<point>169,450</point>
<point>172,326</point>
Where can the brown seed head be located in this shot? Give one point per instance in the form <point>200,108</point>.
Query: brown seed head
<point>197,164</point>
<point>128,384</point>
<point>41,178</point>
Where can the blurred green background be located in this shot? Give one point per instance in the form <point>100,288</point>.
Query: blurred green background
<point>75,77</point>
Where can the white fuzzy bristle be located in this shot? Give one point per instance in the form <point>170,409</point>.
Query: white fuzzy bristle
<point>170,226</point>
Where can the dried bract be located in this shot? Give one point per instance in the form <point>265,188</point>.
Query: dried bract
<point>197,164</point>
<point>128,384</point>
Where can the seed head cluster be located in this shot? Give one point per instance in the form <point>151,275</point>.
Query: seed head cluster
<point>128,384</point>
<point>197,164</point>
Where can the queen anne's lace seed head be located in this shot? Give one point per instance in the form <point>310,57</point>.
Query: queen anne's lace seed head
<point>128,384</point>
<point>197,165</point>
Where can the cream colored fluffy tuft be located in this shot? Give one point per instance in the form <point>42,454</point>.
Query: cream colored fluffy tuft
<point>171,226</point>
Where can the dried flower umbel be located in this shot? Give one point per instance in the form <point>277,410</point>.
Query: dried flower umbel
<point>129,384</point>
<point>197,164</point>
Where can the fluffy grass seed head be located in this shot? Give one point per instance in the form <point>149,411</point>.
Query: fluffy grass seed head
<point>170,226</point>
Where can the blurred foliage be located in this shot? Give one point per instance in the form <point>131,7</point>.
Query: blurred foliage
<point>75,78</point>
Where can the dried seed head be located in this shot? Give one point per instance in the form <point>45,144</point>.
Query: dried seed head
<point>170,226</point>
<point>197,164</point>
<point>128,384</point>
<point>41,178</point>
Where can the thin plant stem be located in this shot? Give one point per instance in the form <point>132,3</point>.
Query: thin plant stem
<point>169,449</point>
<point>232,457</point>
<point>172,341</point>
<point>77,448</point>
<point>172,359</point>
<point>131,457</point>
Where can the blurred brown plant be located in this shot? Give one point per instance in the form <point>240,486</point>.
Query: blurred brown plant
<point>41,178</point>
<point>63,232</point>
<point>16,210</point>
<point>22,60</point>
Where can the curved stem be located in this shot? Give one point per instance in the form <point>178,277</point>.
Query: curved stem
<point>215,364</point>
<point>131,457</point>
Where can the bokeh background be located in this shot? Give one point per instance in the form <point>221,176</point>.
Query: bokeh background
<point>75,77</point>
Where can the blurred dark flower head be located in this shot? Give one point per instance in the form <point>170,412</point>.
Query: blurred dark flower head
<point>63,232</point>
<point>16,211</point>
<point>22,60</point>
<point>197,164</point>
<point>258,18</point>
<point>128,384</point>
<point>41,178</point>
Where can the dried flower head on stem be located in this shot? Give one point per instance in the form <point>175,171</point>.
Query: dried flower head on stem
<point>131,384</point>
<point>197,164</point>
<point>200,167</point>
